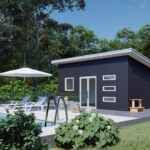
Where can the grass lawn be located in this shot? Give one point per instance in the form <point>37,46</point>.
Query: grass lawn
<point>135,137</point>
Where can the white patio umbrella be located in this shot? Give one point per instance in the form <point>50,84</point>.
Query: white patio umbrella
<point>25,72</point>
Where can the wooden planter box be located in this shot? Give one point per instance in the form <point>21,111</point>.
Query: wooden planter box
<point>136,109</point>
<point>76,110</point>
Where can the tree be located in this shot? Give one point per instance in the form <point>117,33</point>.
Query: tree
<point>144,40</point>
<point>6,52</point>
<point>83,41</point>
<point>126,35</point>
<point>124,38</point>
<point>26,19</point>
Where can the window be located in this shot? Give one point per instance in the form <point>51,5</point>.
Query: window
<point>69,84</point>
<point>109,77</point>
<point>109,88</point>
<point>109,99</point>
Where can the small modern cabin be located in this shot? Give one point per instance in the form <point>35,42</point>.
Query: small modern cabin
<point>106,80</point>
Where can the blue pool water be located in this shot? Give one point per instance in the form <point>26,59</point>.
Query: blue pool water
<point>2,116</point>
<point>41,122</point>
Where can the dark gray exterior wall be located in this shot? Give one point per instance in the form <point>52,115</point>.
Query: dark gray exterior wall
<point>139,82</point>
<point>118,66</point>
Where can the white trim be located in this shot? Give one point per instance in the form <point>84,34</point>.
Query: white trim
<point>110,90</point>
<point>66,83</point>
<point>108,101</point>
<point>124,52</point>
<point>110,75</point>
<point>88,77</point>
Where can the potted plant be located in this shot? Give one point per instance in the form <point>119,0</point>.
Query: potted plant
<point>66,99</point>
<point>76,108</point>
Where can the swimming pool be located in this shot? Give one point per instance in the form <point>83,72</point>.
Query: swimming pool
<point>2,116</point>
<point>41,122</point>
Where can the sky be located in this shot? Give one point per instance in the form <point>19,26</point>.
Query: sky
<point>107,17</point>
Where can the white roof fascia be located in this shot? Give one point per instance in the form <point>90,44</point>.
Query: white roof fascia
<point>140,57</point>
<point>124,52</point>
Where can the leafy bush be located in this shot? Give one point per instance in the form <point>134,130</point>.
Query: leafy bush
<point>87,129</point>
<point>48,88</point>
<point>71,95</point>
<point>15,89</point>
<point>19,132</point>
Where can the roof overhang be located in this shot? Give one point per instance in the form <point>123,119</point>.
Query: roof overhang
<point>117,53</point>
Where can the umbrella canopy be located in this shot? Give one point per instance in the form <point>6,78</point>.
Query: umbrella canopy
<point>25,72</point>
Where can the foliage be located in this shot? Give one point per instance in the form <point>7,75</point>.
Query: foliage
<point>87,129</point>
<point>48,88</point>
<point>71,95</point>
<point>19,132</point>
<point>134,137</point>
<point>26,28</point>
<point>82,41</point>
<point>15,89</point>
<point>127,38</point>
<point>125,35</point>
<point>144,40</point>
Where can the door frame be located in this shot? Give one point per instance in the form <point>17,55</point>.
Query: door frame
<point>88,77</point>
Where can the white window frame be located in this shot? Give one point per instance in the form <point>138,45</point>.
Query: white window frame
<point>66,83</point>
<point>107,101</point>
<point>111,75</point>
<point>106,90</point>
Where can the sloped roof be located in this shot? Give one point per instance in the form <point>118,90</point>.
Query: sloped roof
<point>117,53</point>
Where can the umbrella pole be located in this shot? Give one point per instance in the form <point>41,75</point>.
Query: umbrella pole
<point>24,80</point>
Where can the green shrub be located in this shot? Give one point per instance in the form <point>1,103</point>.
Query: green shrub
<point>71,95</point>
<point>19,132</point>
<point>87,129</point>
<point>48,88</point>
<point>14,89</point>
<point>17,89</point>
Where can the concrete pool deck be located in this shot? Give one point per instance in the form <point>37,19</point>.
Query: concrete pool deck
<point>139,116</point>
<point>121,118</point>
<point>47,131</point>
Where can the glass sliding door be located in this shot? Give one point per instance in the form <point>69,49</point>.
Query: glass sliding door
<point>92,92</point>
<point>84,92</point>
<point>88,91</point>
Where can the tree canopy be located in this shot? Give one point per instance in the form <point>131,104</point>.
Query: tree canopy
<point>126,38</point>
<point>27,29</point>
